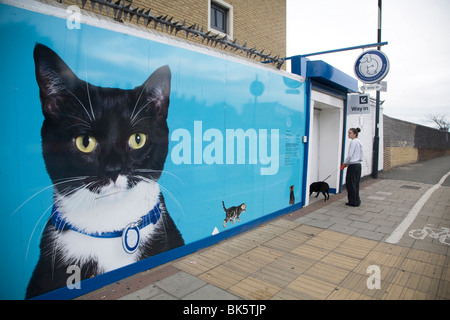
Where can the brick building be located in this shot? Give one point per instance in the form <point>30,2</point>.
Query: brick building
<point>259,26</point>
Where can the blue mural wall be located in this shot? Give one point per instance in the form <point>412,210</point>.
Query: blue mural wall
<point>231,132</point>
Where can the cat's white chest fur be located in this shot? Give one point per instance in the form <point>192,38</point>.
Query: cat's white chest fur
<point>109,253</point>
<point>111,209</point>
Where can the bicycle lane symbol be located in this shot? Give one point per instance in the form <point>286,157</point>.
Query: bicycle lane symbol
<point>442,234</point>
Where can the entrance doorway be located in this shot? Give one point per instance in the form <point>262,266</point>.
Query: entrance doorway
<point>325,147</point>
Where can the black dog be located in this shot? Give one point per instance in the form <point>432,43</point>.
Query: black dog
<point>319,187</point>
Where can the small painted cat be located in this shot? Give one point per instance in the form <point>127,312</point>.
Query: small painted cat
<point>104,150</point>
<point>291,195</point>
<point>233,213</point>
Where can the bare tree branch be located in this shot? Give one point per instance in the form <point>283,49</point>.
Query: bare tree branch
<point>440,120</point>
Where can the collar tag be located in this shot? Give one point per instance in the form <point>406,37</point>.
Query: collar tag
<point>131,238</point>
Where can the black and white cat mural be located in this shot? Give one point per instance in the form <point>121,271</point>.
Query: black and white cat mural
<point>123,150</point>
<point>104,150</point>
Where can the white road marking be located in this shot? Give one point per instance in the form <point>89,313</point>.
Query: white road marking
<point>376,198</point>
<point>397,234</point>
<point>385,193</point>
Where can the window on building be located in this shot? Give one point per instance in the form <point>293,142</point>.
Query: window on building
<point>221,17</point>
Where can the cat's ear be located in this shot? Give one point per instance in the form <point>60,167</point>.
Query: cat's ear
<point>53,77</point>
<point>157,91</point>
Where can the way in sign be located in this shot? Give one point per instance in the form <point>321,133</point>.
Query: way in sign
<point>359,109</point>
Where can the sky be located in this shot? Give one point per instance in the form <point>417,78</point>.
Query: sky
<point>417,32</point>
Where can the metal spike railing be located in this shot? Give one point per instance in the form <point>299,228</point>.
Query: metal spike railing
<point>122,10</point>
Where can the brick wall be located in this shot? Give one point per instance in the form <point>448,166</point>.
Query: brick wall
<point>260,24</point>
<point>406,142</point>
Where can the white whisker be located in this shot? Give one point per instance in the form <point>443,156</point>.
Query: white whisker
<point>158,171</point>
<point>172,197</point>
<point>110,194</point>
<point>71,116</point>
<point>141,119</point>
<point>32,233</point>
<point>87,87</point>
<point>137,113</point>
<point>81,197</point>
<point>80,103</point>
<point>165,191</point>
<point>46,188</point>
<point>89,98</point>
<point>40,218</point>
<point>139,98</point>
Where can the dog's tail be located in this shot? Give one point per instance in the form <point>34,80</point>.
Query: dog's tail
<point>224,207</point>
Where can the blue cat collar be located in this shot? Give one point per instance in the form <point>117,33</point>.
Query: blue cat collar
<point>130,234</point>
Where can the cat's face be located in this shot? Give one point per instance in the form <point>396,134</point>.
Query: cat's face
<point>101,139</point>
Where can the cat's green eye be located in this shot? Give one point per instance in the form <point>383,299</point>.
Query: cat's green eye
<point>137,140</point>
<point>85,143</point>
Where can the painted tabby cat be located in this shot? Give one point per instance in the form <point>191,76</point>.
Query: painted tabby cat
<point>233,213</point>
<point>104,150</point>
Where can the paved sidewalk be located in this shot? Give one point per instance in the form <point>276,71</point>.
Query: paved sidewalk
<point>324,251</point>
